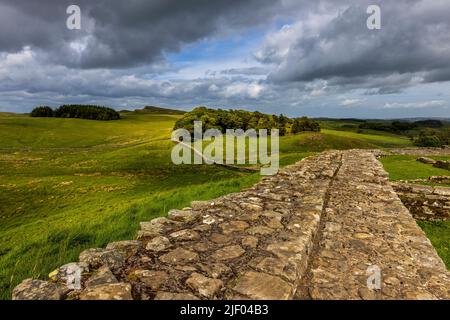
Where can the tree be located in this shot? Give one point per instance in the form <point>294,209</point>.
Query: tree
<point>296,126</point>
<point>428,141</point>
<point>42,111</point>
<point>304,124</point>
<point>232,119</point>
<point>432,138</point>
<point>90,112</point>
<point>282,123</point>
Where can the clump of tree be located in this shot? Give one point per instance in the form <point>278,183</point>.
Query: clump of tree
<point>90,112</point>
<point>429,123</point>
<point>400,127</point>
<point>227,119</point>
<point>42,111</point>
<point>432,138</point>
<point>423,133</point>
<point>304,124</point>
<point>394,126</point>
<point>239,119</point>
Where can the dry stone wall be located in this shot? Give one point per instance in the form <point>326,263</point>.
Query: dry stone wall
<point>436,180</point>
<point>445,151</point>
<point>436,163</point>
<point>309,232</point>
<point>425,202</point>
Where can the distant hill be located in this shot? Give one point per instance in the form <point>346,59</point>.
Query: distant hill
<point>7,114</point>
<point>158,110</point>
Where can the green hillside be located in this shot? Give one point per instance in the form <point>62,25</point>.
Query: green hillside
<point>158,110</point>
<point>70,184</point>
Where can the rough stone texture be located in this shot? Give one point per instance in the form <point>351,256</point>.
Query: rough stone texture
<point>310,231</point>
<point>158,244</point>
<point>184,215</point>
<point>179,255</point>
<point>100,277</point>
<point>150,278</point>
<point>37,290</point>
<point>185,235</point>
<point>432,179</point>
<point>156,227</point>
<point>442,164</point>
<point>422,151</point>
<point>426,160</point>
<point>206,287</point>
<point>425,202</point>
<point>228,253</point>
<point>261,286</point>
<point>115,291</point>
<point>436,163</point>
<point>126,248</point>
<point>175,296</point>
<point>97,257</point>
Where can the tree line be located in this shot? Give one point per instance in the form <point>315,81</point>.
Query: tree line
<point>240,119</point>
<point>90,112</point>
<point>401,126</point>
<point>429,137</point>
<point>423,133</point>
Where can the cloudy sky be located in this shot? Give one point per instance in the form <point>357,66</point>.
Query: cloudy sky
<point>296,57</point>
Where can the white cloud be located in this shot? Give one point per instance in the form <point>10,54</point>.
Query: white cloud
<point>351,102</point>
<point>416,105</point>
<point>17,59</point>
<point>243,90</point>
<point>318,88</point>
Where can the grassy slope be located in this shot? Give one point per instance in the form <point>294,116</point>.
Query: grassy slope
<point>439,234</point>
<point>377,140</point>
<point>402,167</point>
<point>68,184</point>
<point>71,184</point>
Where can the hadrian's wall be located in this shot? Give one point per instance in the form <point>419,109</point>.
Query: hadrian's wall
<point>311,232</point>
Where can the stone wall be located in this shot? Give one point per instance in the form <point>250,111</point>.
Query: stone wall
<point>425,202</point>
<point>432,180</point>
<point>442,164</point>
<point>310,232</point>
<point>436,163</point>
<point>422,151</point>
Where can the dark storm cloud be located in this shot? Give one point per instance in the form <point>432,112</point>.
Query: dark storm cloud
<point>323,58</point>
<point>122,33</point>
<point>414,39</point>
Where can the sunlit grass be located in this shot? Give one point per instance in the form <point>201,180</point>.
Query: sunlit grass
<point>439,234</point>
<point>68,184</point>
<point>405,167</point>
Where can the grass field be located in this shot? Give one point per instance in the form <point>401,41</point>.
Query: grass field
<point>404,167</point>
<point>68,184</point>
<point>439,234</point>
